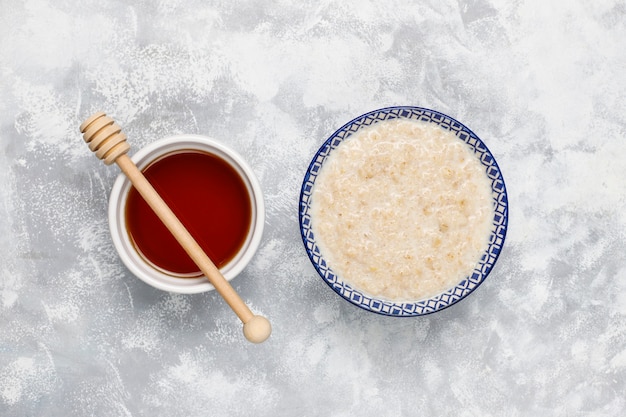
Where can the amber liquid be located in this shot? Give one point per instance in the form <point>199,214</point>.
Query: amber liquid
<point>210,199</point>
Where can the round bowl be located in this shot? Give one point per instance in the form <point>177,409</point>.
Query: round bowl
<point>466,285</point>
<point>117,218</point>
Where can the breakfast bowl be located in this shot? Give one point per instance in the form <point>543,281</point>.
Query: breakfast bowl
<point>217,197</point>
<point>403,211</point>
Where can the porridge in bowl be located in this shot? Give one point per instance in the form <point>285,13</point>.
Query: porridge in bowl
<point>403,211</point>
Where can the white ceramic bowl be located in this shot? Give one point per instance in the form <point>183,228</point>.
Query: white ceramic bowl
<point>117,218</point>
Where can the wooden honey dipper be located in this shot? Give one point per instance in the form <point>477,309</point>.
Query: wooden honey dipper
<point>106,139</point>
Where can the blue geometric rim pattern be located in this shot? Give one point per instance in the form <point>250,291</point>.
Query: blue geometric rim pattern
<point>468,284</point>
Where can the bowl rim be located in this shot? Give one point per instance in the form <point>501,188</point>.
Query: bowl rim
<point>448,297</point>
<point>117,222</point>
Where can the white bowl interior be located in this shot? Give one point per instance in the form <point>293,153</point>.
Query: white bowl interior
<point>117,218</point>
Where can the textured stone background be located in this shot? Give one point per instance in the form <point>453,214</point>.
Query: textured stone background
<point>542,83</point>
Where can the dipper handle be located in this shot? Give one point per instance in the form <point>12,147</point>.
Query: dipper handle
<point>106,139</point>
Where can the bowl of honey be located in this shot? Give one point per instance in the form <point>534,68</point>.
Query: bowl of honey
<point>214,193</point>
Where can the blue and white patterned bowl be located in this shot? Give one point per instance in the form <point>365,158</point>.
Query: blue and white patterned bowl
<point>466,284</point>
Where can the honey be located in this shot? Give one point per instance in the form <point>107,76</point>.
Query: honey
<point>208,196</point>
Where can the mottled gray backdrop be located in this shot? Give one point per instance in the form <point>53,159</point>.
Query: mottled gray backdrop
<point>542,83</point>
